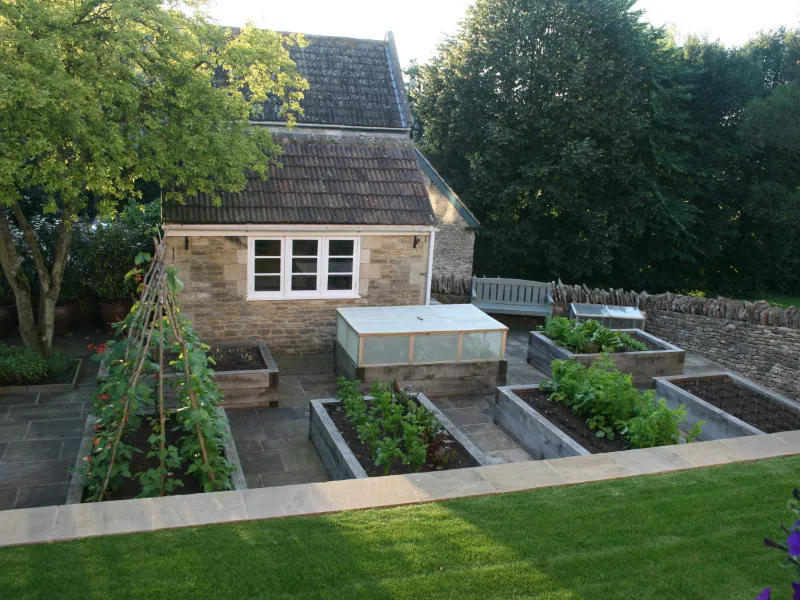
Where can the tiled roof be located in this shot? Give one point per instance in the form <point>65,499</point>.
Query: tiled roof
<point>350,82</point>
<point>345,180</point>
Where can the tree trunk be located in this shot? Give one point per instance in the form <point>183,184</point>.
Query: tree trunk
<point>40,337</point>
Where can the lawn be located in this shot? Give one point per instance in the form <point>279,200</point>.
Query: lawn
<point>696,534</point>
<point>775,299</point>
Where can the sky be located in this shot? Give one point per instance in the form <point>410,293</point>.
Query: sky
<point>419,25</point>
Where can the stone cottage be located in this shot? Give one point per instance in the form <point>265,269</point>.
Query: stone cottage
<point>355,216</point>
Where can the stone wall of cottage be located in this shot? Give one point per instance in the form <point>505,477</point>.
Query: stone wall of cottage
<point>454,244</point>
<point>214,271</point>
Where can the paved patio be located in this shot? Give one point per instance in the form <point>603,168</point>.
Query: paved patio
<point>40,433</point>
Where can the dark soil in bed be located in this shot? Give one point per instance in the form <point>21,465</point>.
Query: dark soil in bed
<point>460,458</point>
<point>131,488</point>
<point>568,422</point>
<point>650,345</point>
<point>762,412</point>
<point>244,358</point>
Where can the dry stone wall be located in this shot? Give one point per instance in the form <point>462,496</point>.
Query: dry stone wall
<point>214,271</point>
<point>760,341</point>
<point>756,339</point>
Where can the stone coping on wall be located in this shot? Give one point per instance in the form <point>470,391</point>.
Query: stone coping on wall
<point>759,312</point>
<point>77,521</point>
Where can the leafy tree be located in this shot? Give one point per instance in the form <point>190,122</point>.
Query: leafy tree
<point>594,148</point>
<point>550,117</point>
<point>97,96</point>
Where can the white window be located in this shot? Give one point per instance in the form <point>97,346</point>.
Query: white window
<point>302,267</point>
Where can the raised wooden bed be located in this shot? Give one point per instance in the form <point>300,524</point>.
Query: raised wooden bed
<point>75,491</point>
<point>643,366</point>
<point>531,429</point>
<point>255,388</point>
<point>46,387</point>
<point>709,397</point>
<point>247,388</point>
<point>434,380</point>
<point>340,461</point>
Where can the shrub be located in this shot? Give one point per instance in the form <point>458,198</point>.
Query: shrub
<point>59,365</point>
<point>790,546</point>
<point>20,366</point>
<point>587,337</point>
<point>393,425</point>
<point>113,248</point>
<point>613,406</point>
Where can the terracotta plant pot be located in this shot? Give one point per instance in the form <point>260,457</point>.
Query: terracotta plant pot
<point>8,320</point>
<point>66,317</point>
<point>113,311</point>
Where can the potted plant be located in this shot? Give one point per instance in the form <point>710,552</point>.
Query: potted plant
<point>8,308</point>
<point>68,311</point>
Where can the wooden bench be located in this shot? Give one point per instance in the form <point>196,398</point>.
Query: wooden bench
<point>512,297</point>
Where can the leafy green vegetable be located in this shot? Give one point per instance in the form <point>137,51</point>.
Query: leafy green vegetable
<point>393,425</point>
<point>589,337</point>
<point>613,406</point>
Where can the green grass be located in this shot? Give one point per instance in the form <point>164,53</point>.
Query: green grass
<point>775,299</point>
<point>696,534</point>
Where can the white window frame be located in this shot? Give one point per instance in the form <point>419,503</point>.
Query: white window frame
<point>286,292</point>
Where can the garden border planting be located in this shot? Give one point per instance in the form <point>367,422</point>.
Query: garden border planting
<point>719,424</point>
<point>642,365</point>
<point>530,428</point>
<point>338,458</point>
<point>46,387</point>
<point>76,483</point>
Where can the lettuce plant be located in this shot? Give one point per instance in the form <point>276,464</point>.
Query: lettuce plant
<point>588,337</point>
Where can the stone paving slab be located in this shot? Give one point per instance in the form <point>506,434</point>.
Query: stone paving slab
<point>40,436</point>
<point>56,523</point>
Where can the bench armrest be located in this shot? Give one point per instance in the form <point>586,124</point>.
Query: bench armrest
<point>549,299</point>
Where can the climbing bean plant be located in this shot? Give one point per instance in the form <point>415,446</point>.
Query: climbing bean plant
<point>131,391</point>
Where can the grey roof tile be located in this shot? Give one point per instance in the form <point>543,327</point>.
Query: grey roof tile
<point>350,82</point>
<point>325,180</point>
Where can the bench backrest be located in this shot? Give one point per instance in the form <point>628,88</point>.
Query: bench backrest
<point>510,291</point>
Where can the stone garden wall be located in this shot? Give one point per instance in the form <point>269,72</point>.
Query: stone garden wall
<point>760,341</point>
<point>214,271</point>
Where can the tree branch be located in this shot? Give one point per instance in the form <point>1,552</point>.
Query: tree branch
<point>9,261</point>
<point>61,252</point>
